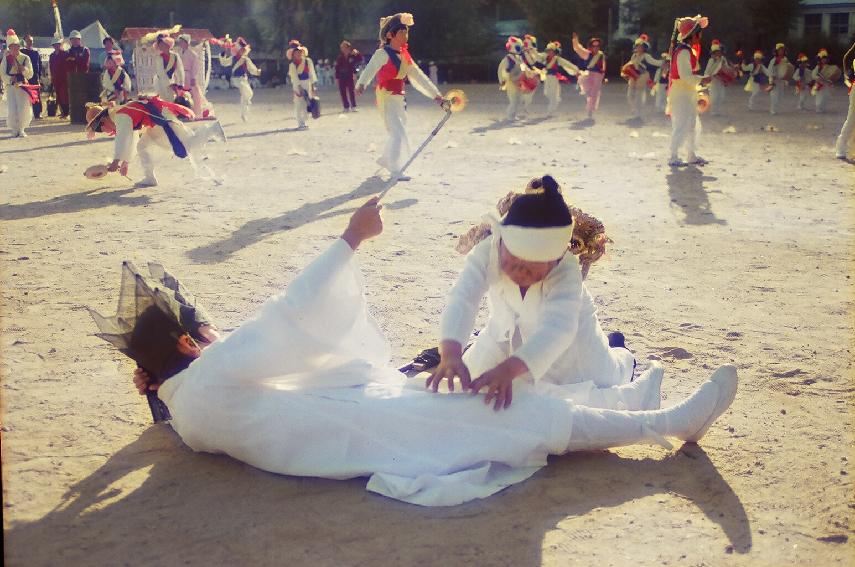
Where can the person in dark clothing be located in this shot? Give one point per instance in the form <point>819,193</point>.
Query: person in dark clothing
<point>345,70</point>
<point>37,72</point>
<point>59,76</point>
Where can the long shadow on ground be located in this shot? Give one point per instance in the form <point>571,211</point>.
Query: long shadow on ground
<point>202,509</point>
<point>258,229</point>
<point>687,191</point>
<point>73,203</point>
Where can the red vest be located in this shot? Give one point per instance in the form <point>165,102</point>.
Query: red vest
<point>388,73</point>
<point>138,113</point>
<point>675,73</point>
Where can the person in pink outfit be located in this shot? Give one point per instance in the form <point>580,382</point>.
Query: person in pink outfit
<point>593,71</point>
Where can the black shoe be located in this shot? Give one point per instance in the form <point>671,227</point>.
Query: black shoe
<point>617,340</point>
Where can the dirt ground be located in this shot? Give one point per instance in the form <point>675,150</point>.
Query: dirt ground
<point>745,261</point>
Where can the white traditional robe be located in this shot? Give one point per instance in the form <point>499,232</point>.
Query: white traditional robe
<point>194,78</point>
<point>636,89</point>
<point>777,71</point>
<point>241,83</point>
<point>509,72</point>
<point>305,389</point>
<point>754,69</point>
<point>108,84</point>
<point>19,108</point>
<point>716,85</point>
<point>683,101</point>
<point>821,89</point>
<point>164,82</point>
<point>841,148</point>
<point>554,330</point>
<point>552,84</point>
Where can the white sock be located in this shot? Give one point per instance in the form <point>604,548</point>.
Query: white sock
<point>642,394</point>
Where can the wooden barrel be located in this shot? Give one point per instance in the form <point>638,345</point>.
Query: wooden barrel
<point>82,88</point>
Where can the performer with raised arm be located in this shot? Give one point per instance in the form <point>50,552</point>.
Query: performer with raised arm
<point>593,71</point>
<point>824,75</point>
<point>715,70</point>
<point>642,66</point>
<point>759,78</point>
<point>683,92</point>
<point>169,70</point>
<point>194,76</point>
<point>242,68</point>
<point>115,81</point>
<point>557,70</point>
<point>305,388</point>
<point>15,71</point>
<point>304,80</point>
<point>780,72</point>
<point>393,65</point>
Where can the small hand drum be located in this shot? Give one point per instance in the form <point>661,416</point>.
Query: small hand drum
<point>703,101</point>
<point>455,100</point>
<point>96,172</point>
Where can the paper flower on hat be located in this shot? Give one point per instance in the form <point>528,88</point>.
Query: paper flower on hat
<point>514,44</point>
<point>686,26</point>
<point>822,53</point>
<point>12,37</point>
<point>643,40</point>
<point>802,57</point>
<point>554,46</point>
<point>716,45</point>
<point>152,314</point>
<point>758,54</point>
<point>529,42</point>
<point>295,45</point>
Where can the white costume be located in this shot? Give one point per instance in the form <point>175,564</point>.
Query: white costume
<point>683,101</point>
<point>303,79</point>
<point>758,76</point>
<point>126,140</point>
<point>390,99</point>
<point>112,82</point>
<point>552,84</point>
<point>660,85</point>
<point>18,104</point>
<point>802,78</point>
<point>532,59</point>
<point>510,71</point>
<point>241,69</point>
<point>821,89</point>
<point>636,89</point>
<point>169,73</point>
<point>554,329</point>
<point>777,71</point>
<point>842,147</point>
<point>305,389</point>
<point>717,86</point>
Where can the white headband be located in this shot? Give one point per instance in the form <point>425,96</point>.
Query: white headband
<point>536,244</point>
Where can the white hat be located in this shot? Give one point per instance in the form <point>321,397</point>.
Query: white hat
<point>74,35</point>
<point>56,39</point>
<point>12,38</point>
<point>185,37</point>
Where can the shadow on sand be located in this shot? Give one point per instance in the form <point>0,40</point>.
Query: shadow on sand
<point>259,229</point>
<point>156,503</point>
<point>73,203</point>
<point>687,191</point>
<point>55,146</point>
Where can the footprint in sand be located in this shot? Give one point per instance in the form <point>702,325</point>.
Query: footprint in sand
<point>676,352</point>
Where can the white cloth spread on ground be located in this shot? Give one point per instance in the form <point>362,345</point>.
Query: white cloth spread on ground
<point>305,389</point>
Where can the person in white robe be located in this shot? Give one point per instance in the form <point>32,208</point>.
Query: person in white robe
<point>644,63</point>
<point>660,82</point>
<point>717,85</point>
<point>683,94</point>
<point>304,388</point>
<point>304,80</point>
<point>802,77</point>
<point>15,71</point>
<point>534,61</point>
<point>142,125</point>
<point>759,78</point>
<point>549,323</point>
<point>115,81</point>
<point>556,69</point>
<point>242,69</point>
<point>780,71</point>
<point>169,70</point>
<point>821,84</point>
<point>393,66</point>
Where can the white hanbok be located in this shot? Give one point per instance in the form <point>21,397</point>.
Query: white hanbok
<point>305,389</point>
<point>683,101</point>
<point>717,86</point>
<point>19,108</point>
<point>636,89</point>
<point>509,73</point>
<point>168,75</point>
<point>298,85</point>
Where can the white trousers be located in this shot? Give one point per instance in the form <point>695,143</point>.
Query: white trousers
<point>775,96</point>
<point>193,140</point>
<point>513,101</point>
<point>397,149</point>
<point>752,99</point>
<point>242,85</point>
<point>717,96</point>
<point>822,98</point>
<point>20,111</point>
<point>685,124</point>
<point>301,112</point>
<point>842,147</point>
<point>661,96</point>
<point>636,94</point>
<point>552,92</point>
<point>803,95</point>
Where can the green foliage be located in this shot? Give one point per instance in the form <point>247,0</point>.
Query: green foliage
<point>558,19</point>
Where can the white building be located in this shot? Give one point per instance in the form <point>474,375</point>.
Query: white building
<point>832,18</point>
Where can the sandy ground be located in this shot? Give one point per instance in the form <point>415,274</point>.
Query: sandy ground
<point>746,261</point>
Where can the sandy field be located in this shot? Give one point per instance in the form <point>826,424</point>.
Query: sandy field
<point>745,261</point>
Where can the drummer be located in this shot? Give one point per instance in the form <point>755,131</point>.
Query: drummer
<point>803,76</point>
<point>717,70</point>
<point>637,73</point>
<point>758,78</point>
<point>824,76</point>
<point>780,71</point>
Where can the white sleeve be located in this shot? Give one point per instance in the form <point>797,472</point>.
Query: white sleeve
<point>28,69</point>
<point>126,139</point>
<point>4,71</point>
<point>684,67</point>
<point>126,84</point>
<point>652,60</point>
<point>292,76</point>
<point>178,75</point>
<point>377,60</point>
<point>106,83</point>
<point>503,74</point>
<point>464,299</point>
<point>709,71</point>
<point>421,81</point>
<point>568,66</point>
<point>251,68</point>
<point>559,323</point>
